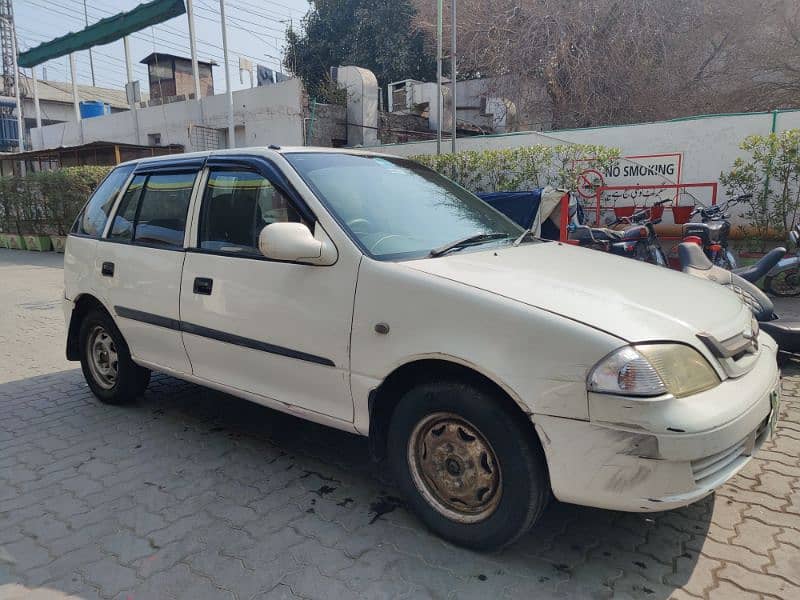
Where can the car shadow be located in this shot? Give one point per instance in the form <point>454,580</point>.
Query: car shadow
<point>183,450</point>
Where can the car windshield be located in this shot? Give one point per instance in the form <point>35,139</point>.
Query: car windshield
<point>397,209</point>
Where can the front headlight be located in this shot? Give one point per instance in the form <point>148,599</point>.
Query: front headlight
<point>652,370</point>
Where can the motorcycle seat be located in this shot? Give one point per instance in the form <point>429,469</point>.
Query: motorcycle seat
<point>756,271</point>
<point>596,234</point>
<point>785,333</point>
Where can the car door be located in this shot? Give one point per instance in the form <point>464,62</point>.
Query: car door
<point>278,330</point>
<point>141,259</point>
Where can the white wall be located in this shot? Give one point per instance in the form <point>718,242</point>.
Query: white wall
<point>709,144</point>
<point>262,115</point>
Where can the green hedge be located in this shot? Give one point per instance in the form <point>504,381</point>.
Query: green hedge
<point>520,168</point>
<point>46,202</point>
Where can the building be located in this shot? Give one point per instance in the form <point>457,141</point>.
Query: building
<point>171,77</point>
<point>56,104</point>
<point>274,114</point>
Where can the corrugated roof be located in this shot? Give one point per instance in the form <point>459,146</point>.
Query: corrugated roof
<point>61,91</point>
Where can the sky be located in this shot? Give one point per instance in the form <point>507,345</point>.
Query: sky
<point>255,31</point>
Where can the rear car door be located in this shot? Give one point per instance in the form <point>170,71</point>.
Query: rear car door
<point>140,262</point>
<point>279,330</point>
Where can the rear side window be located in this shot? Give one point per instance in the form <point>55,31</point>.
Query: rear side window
<point>153,210</point>
<point>92,219</point>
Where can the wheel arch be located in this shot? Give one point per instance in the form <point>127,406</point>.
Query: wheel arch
<point>384,398</point>
<point>83,304</point>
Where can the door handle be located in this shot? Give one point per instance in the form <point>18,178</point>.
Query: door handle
<point>203,285</point>
<point>107,269</point>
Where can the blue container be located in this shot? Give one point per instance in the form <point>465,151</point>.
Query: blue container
<point>94,108</point>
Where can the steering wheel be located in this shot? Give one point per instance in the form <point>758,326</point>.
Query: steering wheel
<point>384,238</point>
<point>359,221</point>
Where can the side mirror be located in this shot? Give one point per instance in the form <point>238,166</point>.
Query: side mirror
<point>294,242</point>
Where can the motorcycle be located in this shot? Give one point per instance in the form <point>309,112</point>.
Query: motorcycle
<point>786,333</point>
<point>784,278</point>
<point>712,231</point>
<point>638,241</point>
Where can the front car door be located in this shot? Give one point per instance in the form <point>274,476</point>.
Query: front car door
<point>278,330</point>
<point>141,258</point>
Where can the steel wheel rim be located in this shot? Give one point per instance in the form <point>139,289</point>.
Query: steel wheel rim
<point>103,358</point>
<point>454,468</point>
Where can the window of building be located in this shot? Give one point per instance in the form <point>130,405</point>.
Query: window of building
<point>237,205</point>
<point>154,139</point>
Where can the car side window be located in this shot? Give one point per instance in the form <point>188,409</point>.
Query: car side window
<point>93,217</point>
<point>153,210</point>
<point>237,205</point>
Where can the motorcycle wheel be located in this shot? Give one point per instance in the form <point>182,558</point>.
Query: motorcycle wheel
<point>784,284</point>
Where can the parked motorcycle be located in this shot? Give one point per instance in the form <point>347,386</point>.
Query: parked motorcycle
<point>784,278</point>
<point>711,233</point>
<point>638,241</point>
<point>785,333</point>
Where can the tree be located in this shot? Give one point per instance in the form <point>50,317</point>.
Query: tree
<point>598,62</point>
<point>376,34</point>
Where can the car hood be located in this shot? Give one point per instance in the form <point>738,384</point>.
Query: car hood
<point>629,299</point>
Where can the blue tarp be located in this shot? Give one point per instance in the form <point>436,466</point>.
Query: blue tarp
<point>520,207</point>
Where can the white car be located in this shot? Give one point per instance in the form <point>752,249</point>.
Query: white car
<point>370,294</point>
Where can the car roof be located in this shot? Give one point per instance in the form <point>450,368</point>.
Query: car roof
<point>254,151</point>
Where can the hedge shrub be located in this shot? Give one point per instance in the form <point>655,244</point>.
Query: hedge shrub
<point>46,202</point>
<point>520,168</point>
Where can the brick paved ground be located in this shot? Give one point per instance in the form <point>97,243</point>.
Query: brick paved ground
<point>193,494</point>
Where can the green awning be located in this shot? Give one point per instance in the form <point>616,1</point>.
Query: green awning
<point>104,31</point>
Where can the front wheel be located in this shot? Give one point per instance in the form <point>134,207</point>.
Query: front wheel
<point>784,284</point>
<point>106,361</point>
<point>472,471</point>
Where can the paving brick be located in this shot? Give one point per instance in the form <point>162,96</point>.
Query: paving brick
<point>758,582</point>
<point>188,493</point>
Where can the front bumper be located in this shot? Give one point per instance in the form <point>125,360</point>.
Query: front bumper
<point>668,453</point>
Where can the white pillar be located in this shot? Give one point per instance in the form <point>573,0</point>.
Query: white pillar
<point>36,108</point>
<point>73,78</point>
<point>228,90</point>
<point>193,49</point>
<point>439,103</point>
<point>453,76</point>
<point>129,71</point>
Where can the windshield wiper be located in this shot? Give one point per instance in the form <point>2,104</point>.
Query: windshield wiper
<point>470,240</point>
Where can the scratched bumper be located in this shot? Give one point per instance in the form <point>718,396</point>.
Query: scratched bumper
<point>646,468</point>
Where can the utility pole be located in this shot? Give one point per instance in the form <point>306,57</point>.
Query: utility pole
<point>439,103</point>
<point>91,60</point>
<point>228,90</point>
<point>193,49</point>
<point>453,76</point>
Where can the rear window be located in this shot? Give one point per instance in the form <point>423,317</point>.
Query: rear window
<point>153,210</point>
<point>93,217</point>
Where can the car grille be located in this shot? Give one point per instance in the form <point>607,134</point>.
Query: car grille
<point>712,467</point>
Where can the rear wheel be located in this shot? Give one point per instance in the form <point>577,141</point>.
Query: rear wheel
<point>784,284</point>
<point>473,472</point>
<point>106,361</point>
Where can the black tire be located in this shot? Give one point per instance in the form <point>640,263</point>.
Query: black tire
<point>524,489</point>
<point>785,284</point>
<point>129,380</point>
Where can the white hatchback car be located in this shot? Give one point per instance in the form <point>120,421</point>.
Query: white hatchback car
<point>368,293</point>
